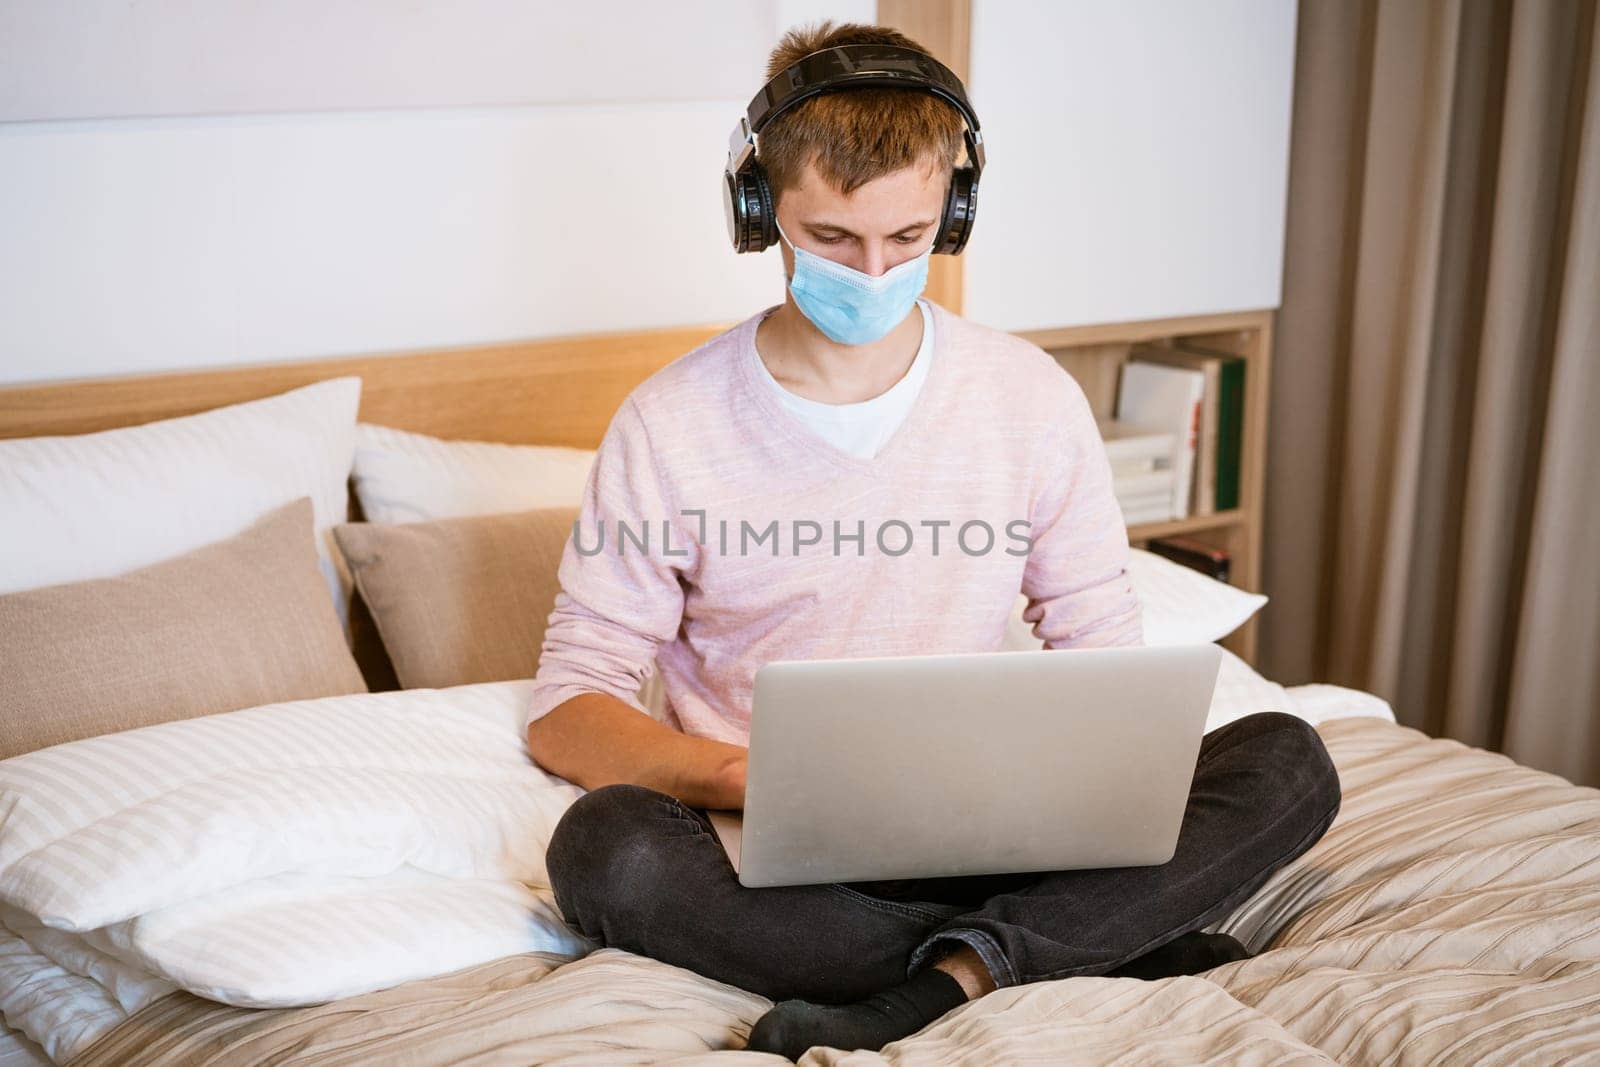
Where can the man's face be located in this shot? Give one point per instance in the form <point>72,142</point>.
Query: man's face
<point>883,223</point>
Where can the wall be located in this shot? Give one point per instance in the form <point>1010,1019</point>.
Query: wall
<point>306,179</point>
<point>551,188</point>
<point>1138,158</point>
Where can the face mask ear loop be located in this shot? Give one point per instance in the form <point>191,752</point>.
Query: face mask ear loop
<point>788,277</point>
<point>781,233</point>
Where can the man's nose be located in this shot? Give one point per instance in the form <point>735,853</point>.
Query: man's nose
<point>875,260</point>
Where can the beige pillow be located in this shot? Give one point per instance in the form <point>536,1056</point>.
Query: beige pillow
<point>460,600</point>
<point>240,622</point>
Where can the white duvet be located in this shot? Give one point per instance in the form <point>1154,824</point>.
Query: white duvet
<point>298,853</point>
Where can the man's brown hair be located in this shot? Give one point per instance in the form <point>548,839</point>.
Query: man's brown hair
<point>856,136</point>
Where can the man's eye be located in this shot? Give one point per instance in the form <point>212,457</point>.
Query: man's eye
<point>908,239</point>
<point>829,240</point>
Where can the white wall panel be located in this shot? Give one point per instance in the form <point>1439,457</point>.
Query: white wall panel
<point>1138,154</point>
<point>150,244</point>
<point>108,58</point>
<point>130,247</point>
<point>1138,158</point>
<point>793,12</point>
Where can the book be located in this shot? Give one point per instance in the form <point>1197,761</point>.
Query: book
<point>1148,512</point>
<point>1140,467</point>
<point>1202,500</point>
<point>1147,499</point>
<point>1141,462</point>
<point>1160,511</point>
<point>1209,560</point>
<point>1125,440</point>
<point>1147,483</point>
<point>1230,421</point>
<point>1170,397</point>
<point>1230,433</point>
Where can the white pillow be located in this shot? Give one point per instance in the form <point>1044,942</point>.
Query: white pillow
<point>1242,690</point>
<point>411,477</point>
<point>1181,605</point>
<point>293,853</point>
<point>1318,702</point>
<point>99,504</point>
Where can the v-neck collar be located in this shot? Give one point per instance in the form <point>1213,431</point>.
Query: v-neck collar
<point>793,427</point>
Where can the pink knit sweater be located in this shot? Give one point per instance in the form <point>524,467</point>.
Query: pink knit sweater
<point>718,532</point>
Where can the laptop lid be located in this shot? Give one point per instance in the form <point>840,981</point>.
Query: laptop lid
<point>972,763</point>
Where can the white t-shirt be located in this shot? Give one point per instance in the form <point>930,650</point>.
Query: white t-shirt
<point>860,429</point>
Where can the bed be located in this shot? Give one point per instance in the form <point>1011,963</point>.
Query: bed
<point>200,889</point>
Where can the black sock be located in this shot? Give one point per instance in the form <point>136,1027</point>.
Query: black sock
<point>1190,954</point>
<point>792,1026</point>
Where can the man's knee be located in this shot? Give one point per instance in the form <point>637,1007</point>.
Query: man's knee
<point>603,843</point>
<point>1289,754</point>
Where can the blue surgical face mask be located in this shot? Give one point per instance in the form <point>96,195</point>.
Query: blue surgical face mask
<point>850,307</point>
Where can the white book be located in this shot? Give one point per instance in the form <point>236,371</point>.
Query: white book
<point>1154,394</point>
<point>1136,468</point>
<point>1130,442</point>
<point>1203,497</point>
<point>1142,484</point>
<point>1162,503</point>
<point>1161,511</point>
<point>1153,506</point>
<point>1143,465</point>
<point>1147,513</point>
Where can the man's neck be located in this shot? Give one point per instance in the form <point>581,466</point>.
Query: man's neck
<point>804,361</point>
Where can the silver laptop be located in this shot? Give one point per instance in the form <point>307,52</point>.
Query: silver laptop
<point>975,763</point>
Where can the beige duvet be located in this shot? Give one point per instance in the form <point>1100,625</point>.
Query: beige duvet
<point>1451,915</point>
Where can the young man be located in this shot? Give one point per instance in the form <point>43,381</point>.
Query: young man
<point>808,485</point>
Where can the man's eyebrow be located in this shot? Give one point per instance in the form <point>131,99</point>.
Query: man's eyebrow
<point>835,228</point>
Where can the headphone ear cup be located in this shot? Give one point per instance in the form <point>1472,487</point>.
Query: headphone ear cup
<point>960,208</point>
<point>747,207</point>
<point>734,199</point>
<point>768,210</point>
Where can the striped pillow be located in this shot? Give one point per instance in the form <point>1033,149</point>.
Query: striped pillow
<point>297,852</point>
<point>410,477</point>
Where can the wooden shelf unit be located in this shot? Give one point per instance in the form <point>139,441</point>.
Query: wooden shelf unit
<point>1094,356</point>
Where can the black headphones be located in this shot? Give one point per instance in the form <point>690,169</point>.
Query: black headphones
<point>747,198</point>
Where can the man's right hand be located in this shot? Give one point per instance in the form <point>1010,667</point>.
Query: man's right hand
<point>596,740</point>
<point>727,784</point>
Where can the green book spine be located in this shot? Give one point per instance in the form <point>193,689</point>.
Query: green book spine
<point>1230,433</point>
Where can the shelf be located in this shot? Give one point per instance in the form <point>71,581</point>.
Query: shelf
<point>1147,330</point>
<point>1094,356</point>
<point>1145,531</point>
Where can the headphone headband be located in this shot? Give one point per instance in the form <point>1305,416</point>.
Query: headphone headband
<point>857,66</point>
<point>845,67</point>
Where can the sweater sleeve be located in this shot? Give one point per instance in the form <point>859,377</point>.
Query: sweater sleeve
<point>1076,578</point>
<point>617,605</point>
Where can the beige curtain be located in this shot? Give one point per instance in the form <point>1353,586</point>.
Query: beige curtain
<point>1433,493</point>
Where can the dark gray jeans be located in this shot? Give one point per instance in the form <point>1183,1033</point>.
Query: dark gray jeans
<point>638,870</point>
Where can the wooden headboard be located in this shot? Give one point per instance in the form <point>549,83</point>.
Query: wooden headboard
<point>558,391</point>
<point>561,391</point>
